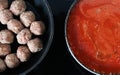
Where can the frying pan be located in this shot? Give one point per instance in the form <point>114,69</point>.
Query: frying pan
<point>42,12</point>
<point>78,64</point>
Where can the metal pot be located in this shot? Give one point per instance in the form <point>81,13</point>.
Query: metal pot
<point>79,64</point>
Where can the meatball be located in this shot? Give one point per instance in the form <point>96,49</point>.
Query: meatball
<point>24,36</point>
<point>37,27</point>
<point>35,45</point>
<point>27,18</point>
<point>6,37</point>
<point>3,4</point>
<point>5,16</point>
<point>2,65</point>
<point>15,26</point>
<point>4,49</point>
<point>12,61</point>
<point>17,7</point>
<point>23,53</point>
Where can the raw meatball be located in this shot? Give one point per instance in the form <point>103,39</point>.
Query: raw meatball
<point>23,53</point>
<point>24,36</point>
<point>37,27</point>
<point>4,49</point>
<point>3,4</point>
<point>35,45</point>
<point>6,37</point>
<point>17,7</point>
<point>15,26</point>
<point>27,18</point>
<point>12,61</point>
<point>2,65</point>
<point>5,16</point>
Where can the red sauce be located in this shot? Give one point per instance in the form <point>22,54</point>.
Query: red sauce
<point>93,32</point>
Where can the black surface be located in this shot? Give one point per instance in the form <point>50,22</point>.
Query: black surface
<point>58,59</point>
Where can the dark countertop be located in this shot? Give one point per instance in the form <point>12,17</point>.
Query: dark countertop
<point>58,60</point>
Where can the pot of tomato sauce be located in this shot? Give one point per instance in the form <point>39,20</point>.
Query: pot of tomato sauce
<point>92,33</point>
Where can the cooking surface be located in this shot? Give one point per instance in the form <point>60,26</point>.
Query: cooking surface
<point>58,60</point>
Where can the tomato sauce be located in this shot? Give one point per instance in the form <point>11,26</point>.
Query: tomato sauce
<point>93,32</point>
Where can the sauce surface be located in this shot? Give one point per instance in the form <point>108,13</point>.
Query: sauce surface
<point>93,32</point>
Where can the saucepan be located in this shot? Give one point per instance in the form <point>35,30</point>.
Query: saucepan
<point>70,49</point>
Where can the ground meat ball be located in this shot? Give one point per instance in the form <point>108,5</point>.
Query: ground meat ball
<point>2,65</point>
<point>6,37</point>
<point>5,16</point>
<point>12,61</point>
<point>37,27</point>
<point>27,18</point>
<point>35,45</point>
<point>3,4</point>
<point>24,36</point>
<point>23,53</point>
<point>4,49</point>
<point>17,7</point>
<point>15,26</point>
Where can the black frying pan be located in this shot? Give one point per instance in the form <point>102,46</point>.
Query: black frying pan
<point>42,11</point>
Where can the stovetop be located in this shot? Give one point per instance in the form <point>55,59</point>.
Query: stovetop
<point>58,59</point>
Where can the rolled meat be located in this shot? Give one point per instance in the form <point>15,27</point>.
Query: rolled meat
<point>37,27</point>
<point>2,65</point>
<point>3,4</point>
<point>23,53</point>
<point>15,26</point>
<point>5,16</point>
<point>24,36</point>
<point>35,45</point>
<point>17,7</point>
<point>27,18</point>
<point>5,49</point>
<point>12,61</point>
<point>6,37</point>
